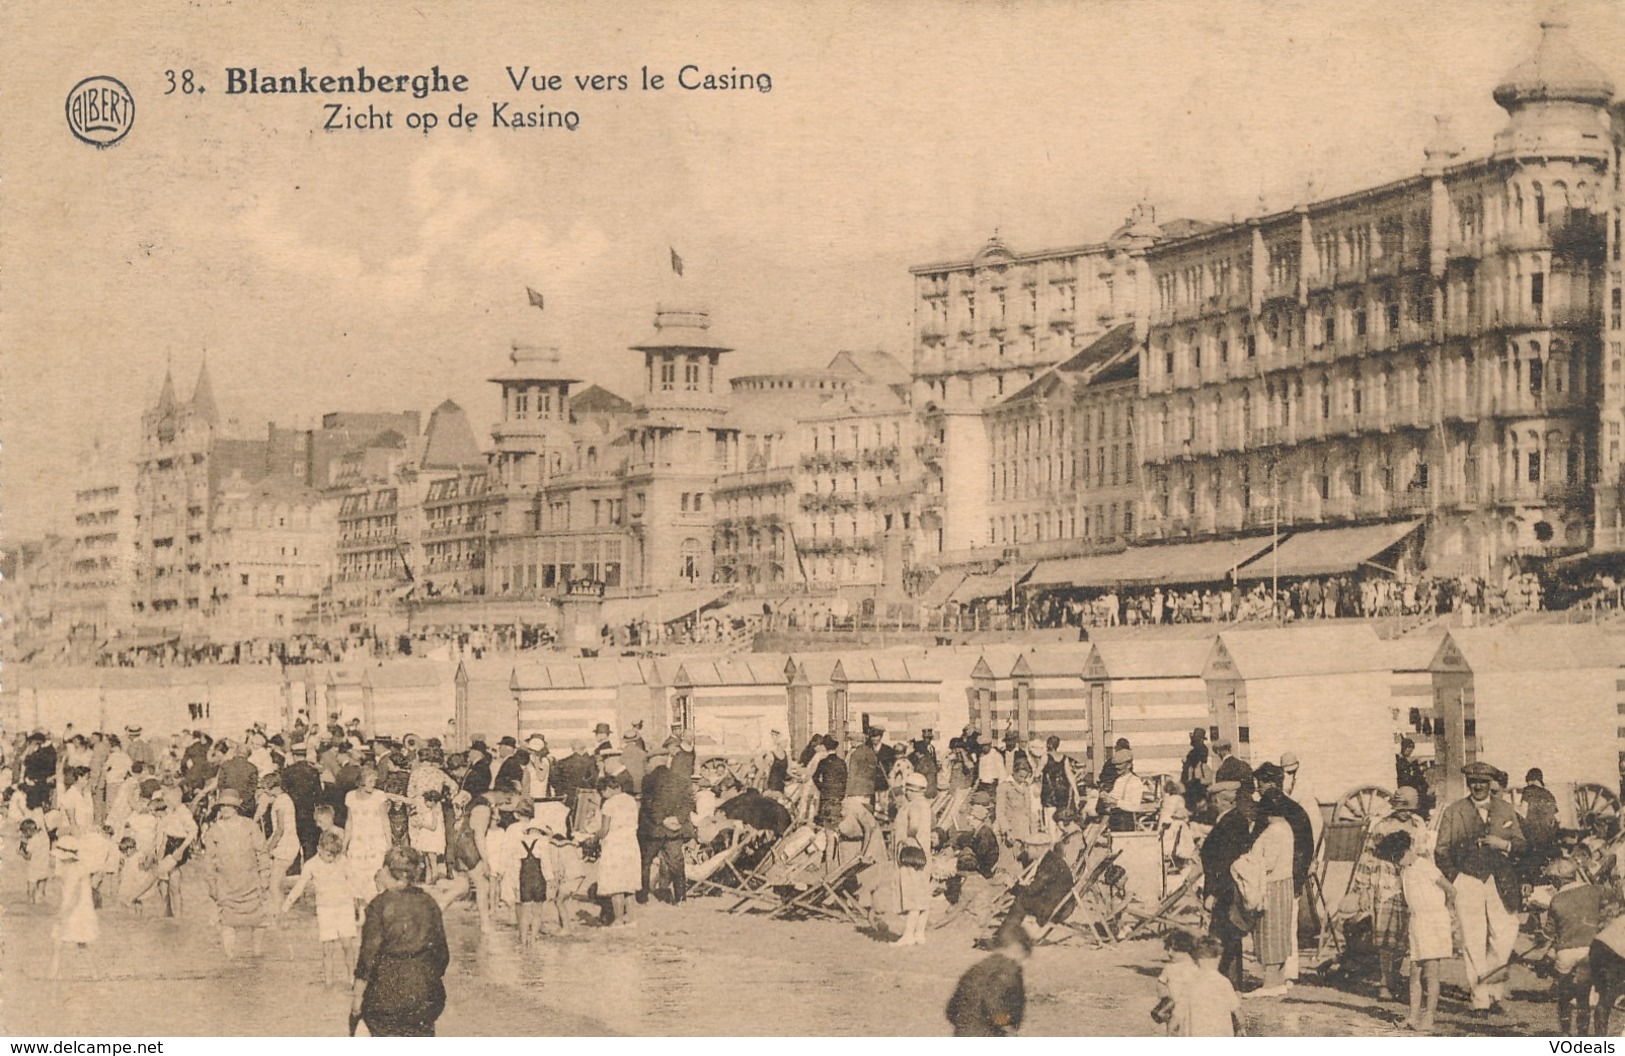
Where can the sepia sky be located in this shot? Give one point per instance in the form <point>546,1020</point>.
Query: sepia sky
<point>387,270</point>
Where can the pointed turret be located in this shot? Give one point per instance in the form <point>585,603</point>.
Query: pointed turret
<point>203,396</point>
<point>166,397</point>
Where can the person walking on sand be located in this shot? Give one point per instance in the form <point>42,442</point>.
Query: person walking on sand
<point>76,923</point>
<point>404,955</point>
<point>239,872</point>
<point>991,998</point>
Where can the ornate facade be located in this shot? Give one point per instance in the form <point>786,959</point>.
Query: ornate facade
<point>1426,348</point>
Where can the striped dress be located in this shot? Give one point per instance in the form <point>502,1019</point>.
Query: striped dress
<point>1273,937</point>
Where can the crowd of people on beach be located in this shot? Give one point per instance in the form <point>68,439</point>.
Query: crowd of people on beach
<point>989,840</point>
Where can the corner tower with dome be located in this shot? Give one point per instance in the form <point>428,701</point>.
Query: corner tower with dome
<point>1413,369</point>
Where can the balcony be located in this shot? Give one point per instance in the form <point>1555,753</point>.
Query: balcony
<point>1260,514</point>
<point>1535,405</point>
<point>1576,318</point>
<point>1540,492</point>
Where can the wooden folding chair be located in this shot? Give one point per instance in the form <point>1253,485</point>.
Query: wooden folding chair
<point>1337,861</point>
<point>1167,912</point>
<point>828,897</point>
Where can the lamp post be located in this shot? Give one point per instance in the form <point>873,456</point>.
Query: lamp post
<point>1275,541</point>
<point>1011,553</point>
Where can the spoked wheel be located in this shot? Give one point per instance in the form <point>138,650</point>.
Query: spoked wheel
<point>1593,804</point>
<point>1367,801</point>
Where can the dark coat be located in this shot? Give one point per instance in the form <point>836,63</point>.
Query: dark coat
<point>830,780</point>
<point>403,957</point>
<point>1237,770</point>
<point>990,1000</point>
<point>1303,840</point>
<point>668,792</point>
<point>1230,839</point>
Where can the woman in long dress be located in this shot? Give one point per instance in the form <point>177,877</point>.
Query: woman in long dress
<point>76,923</point>
<point>1379,895</point>
<point>367,833</point>
<point>398,988</point>
<point>620,866</point>
<point>1274,934</point>
<point>239,872</point>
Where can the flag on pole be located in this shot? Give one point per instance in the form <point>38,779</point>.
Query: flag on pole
<point>676,262</point>
<point>535,298</point>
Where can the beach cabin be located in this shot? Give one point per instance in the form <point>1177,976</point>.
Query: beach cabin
<point>990,696</point>
<point>1324,692</point>
<point>1046,684</point>
<point>1150,690</point>
<point>1432,688</point>
<point>564,699</point>
<point>412,696</point>
<point>731,704</point>
<point>1548,696</point>
<point>900,691</point>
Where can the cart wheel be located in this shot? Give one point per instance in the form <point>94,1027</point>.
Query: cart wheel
<point>1361,803</point>
<point>1593,802</point>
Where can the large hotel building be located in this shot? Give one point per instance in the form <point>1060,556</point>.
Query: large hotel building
<point>1428,372</point>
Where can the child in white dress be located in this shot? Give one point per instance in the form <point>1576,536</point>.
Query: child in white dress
<point>36,851</point>
<point>1430,902</point>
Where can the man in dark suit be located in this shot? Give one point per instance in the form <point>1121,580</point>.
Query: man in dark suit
<point>1231,837</point>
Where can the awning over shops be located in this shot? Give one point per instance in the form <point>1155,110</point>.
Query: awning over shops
<point>995,584</point>
<point>1177,563</point>
<point>941,589</point>
<point>145,641</point>
<point>667,607</point>
<point>1328,551</point>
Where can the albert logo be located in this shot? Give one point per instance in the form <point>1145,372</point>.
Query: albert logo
<point>100,111</point>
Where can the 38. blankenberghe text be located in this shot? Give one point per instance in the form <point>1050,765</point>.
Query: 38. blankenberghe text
<point>250,81</point>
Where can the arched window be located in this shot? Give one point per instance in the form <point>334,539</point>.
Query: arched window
<point>1356,393</point>
<point>688,562</point>
<point>1540,204</point>
<point>1325,397</point>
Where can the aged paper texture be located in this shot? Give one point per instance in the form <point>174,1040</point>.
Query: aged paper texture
<point>629,519</point>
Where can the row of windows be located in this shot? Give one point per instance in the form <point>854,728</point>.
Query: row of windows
<point>1099,522</point>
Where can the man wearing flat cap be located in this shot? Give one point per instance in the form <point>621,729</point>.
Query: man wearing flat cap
<point>1479,842</point>
<point>1229,840</point>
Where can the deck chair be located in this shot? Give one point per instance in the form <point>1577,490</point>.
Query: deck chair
<point>1337,859</point>
<point>1093,908</point>
<point>792,862</point>
<point>832,895</point>
<point>719,871</point>
<point>1182,908</point>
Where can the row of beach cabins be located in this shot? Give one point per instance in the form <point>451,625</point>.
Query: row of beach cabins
<point>1336,694</point>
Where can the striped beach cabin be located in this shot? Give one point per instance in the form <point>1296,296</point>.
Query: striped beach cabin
<point>1151,691</point>
<point>731,704</point>
<point>563,700</point>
